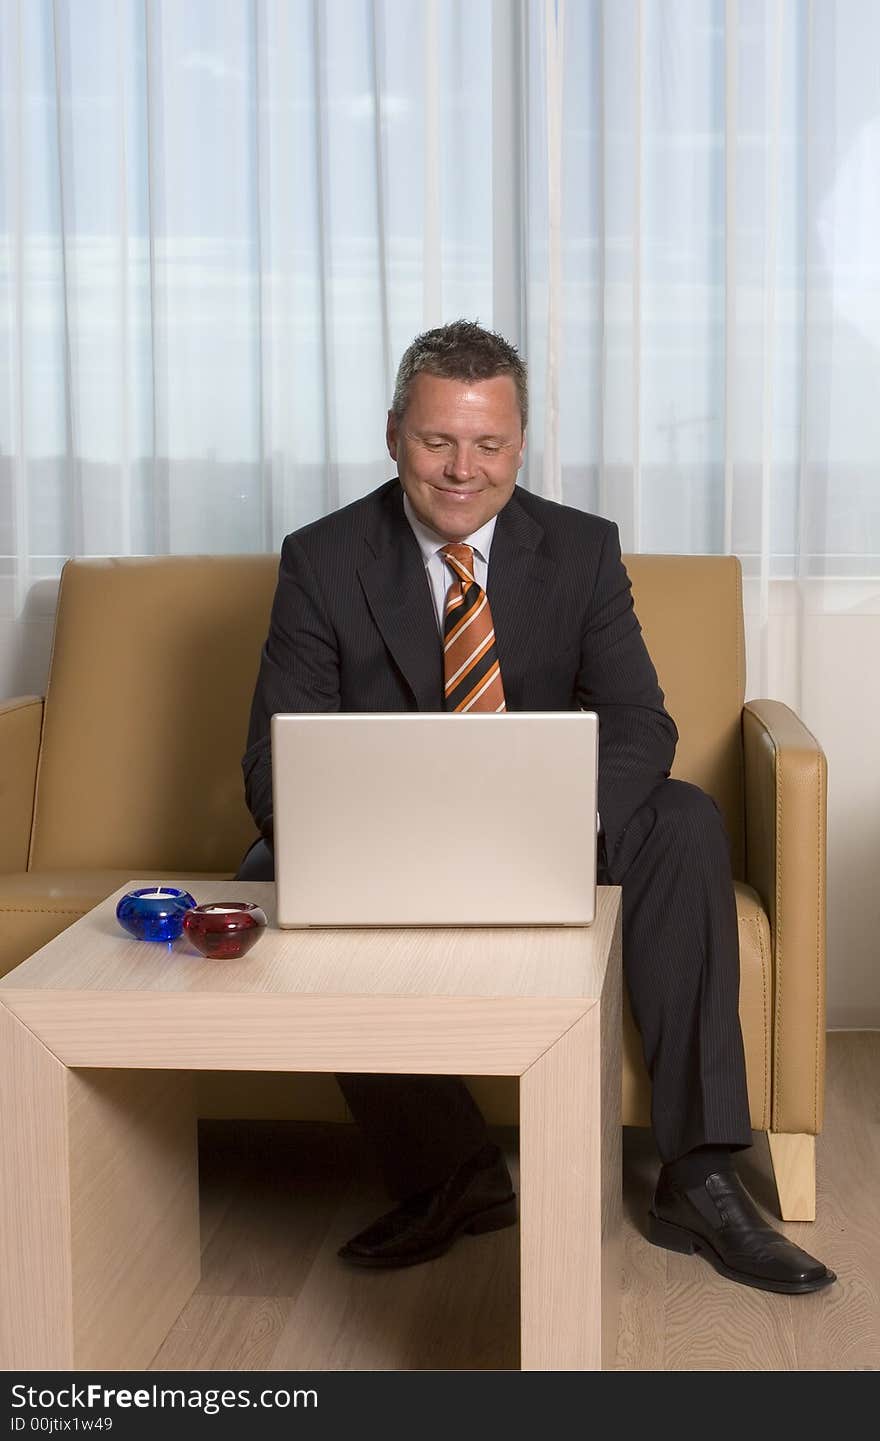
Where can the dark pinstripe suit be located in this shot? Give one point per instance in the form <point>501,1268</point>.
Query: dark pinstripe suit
<point>353,628</point>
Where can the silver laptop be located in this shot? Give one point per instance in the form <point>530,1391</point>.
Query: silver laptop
<point>435,820</point>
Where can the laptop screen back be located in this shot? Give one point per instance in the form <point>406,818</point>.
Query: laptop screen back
<point>433,819</point>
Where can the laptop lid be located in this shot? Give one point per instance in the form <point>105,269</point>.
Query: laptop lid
<point>433,819</point>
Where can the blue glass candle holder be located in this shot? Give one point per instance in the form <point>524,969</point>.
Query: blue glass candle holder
<point>154,913</point>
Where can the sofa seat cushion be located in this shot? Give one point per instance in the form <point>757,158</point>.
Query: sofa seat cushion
<point>755,991</point>
<point>36,905</point>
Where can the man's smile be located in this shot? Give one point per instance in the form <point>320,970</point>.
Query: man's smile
<point>454,490</point>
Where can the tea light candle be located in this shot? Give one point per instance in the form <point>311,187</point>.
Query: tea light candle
<point>224,930</point>
<point>154,913</point>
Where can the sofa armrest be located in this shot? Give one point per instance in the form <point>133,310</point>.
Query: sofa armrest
<point>785,792</point>
<point>21,724</point>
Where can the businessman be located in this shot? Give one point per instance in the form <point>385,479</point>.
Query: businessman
<point>450,588</point>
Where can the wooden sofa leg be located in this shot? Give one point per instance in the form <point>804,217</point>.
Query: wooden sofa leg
<point>794,1169</point>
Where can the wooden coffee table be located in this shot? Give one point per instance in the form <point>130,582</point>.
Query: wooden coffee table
<point>100,1036</point>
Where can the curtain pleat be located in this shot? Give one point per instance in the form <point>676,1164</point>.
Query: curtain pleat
<point>261,159</point>
<point>70,286</point>
<point>377,76</point>
<point>731,81</point>
<point>634,538</point>
<point>157,511</point>
<point>601,304</point>
<point>554,85</point>
<point>432,145</point>
<point>124,327</point>
<point>325,270</point>
<point>18,582</point>
<point>772,181</point>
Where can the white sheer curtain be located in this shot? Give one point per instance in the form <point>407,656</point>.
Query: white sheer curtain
<point>220,224</point>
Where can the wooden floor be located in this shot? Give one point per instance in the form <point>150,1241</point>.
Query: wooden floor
<point>278,1198</point>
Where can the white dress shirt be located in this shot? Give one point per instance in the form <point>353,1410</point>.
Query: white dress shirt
<point>440,575</point>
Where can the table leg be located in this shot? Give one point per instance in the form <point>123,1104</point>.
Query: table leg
<point>99,1222</point>
<point>570,1196</point>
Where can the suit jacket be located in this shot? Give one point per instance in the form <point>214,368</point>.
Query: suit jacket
<point>353,628</point>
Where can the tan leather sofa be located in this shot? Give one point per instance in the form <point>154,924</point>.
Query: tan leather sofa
<point>130,767</point>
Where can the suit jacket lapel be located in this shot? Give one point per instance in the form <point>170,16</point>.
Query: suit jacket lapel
<point>392,574</point>
<point>519,593</point>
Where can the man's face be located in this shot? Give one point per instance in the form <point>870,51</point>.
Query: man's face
<point>458,446</point>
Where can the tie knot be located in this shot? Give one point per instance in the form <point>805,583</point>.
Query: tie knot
<point>461,558</point>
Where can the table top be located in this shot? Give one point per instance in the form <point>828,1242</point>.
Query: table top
<point>456,1001</point>
<point>95,954</point>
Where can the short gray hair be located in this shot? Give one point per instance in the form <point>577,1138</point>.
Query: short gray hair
<point>461,350</point>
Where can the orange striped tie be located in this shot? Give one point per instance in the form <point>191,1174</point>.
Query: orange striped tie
<point>470,657</point>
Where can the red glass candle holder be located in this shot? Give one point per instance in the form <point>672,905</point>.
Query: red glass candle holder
<point>224,930</point>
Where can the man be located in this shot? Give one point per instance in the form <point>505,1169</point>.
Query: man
<point>451,588</point>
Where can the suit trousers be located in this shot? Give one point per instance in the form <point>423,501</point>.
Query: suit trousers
<point>681,969</point>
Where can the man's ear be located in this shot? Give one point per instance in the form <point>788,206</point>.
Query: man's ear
<point>522,452</point>
<point>391,435</point>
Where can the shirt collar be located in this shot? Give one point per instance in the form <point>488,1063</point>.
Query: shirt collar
<point>430,542</point>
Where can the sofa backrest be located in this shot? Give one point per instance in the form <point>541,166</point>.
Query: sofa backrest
<point>153,668</point>
<point>691,613</point>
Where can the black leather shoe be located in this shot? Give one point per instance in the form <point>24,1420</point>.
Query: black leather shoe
<point>720,1220</point>
<point>477,1197</point>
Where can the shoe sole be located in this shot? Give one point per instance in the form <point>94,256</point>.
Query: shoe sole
<point>677,1238</point>
<point>495,1218</point>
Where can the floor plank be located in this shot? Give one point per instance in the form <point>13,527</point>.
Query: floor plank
<point>840,1329</point>
<point>460,1312</point>
<point>279,1198</point>
<point>224,1333</point>
<point>642,1326</point>
<point>283,1184</point>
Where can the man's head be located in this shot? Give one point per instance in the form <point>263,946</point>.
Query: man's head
<point>457,424</point>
